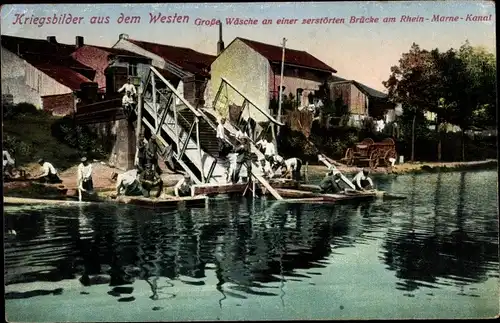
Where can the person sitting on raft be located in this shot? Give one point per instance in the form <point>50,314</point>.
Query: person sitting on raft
<point>362,181</point>
<point>150,179</point>
<point>183,186</point>
<point>128,183</point>
<point>84,176</point>
<point>49,174</point>
<point>331,184</point>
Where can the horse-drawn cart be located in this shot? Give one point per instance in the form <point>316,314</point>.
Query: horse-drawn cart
<point>372,153</point>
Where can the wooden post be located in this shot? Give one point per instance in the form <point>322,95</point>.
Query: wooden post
<point>139,123</point>
<point>155,104</point>
<point>281,81</point>
<point>306,172</point>
<point>197,120</point>
<point>176,130</point>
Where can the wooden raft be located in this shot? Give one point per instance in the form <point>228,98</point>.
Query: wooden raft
<point>213,189</point>
<point>8,200</point>
<point>173,201</point>
<point>140,201</point>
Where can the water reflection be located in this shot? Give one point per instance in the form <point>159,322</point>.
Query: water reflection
<point>442,234</point>
<point>443,244</point>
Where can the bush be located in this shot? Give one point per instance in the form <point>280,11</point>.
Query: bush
<point>77,136</point>
<point>295,144</point>
<point>12,111</point>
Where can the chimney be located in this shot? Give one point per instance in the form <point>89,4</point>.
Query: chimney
<point>52,39</point>
<point>220,43</point>
<point>79,41</point>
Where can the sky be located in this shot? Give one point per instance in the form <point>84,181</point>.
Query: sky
<point>362,52</point>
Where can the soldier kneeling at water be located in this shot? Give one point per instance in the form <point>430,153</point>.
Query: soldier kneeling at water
<point>128,183</point>
<point>183,187</point>
<point>362,181</point>
<point>331,184</point>
<point>150,179</point>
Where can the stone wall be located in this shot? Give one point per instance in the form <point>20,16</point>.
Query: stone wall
<point>119,137</point>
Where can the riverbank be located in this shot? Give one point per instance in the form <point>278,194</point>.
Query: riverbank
<point>101,178</point>
<point>412,168</point>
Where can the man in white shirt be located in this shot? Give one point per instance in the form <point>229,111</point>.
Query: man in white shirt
<point>128,104</point>
<point>261,144</point>
<point>128,183</point>
<point>362,181</point>
<point>292,166</point>
<point>49,173</point>
<point>128,87</point>
<point>84,176</point>
<point>266,169</point>
<point>269,152</point>
<point>8,163</point>
<point>221,138</point>
<point>183,186</point>
<point>127,100</point>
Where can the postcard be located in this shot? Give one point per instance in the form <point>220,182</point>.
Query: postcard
<point>250,161</point>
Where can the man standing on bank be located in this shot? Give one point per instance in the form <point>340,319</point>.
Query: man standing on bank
<point>243,158</point>
<point>84,178</point>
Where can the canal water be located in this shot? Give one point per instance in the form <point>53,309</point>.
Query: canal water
<point>432,255</point>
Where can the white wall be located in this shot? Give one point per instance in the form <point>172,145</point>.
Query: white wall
<point>25,82</point>
<point>248,71</point>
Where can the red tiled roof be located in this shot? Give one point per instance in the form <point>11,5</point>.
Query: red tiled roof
<point>188,59</point>
<point>19,45</point>
<point>292,56</point>
<point>64,75</point>
<point>54,59</point>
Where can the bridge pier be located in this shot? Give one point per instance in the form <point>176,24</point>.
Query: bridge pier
<point>124,149</point>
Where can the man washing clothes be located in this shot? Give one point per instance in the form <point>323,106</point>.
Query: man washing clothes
<point>49,173</point>
<point>362,181</point>
<point>183,186</point>
<point>84,178</point>
<point>128,184</point>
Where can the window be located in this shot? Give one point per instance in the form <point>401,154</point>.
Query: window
<point>132,69</point>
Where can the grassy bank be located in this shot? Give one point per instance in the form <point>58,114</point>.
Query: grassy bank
<point>29,137</point>
<point>413,168</point>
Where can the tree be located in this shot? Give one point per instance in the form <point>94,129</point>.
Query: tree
<point>473,89</point>
<point>415,84</point>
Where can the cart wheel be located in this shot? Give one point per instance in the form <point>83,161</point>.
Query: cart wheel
<point>374,156</point>
<point>349,157</point>
<point>388,155</point>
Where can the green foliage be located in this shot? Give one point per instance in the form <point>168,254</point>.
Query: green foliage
<point>13,111</point>
<point>77,136</point>
<point>458,85</point>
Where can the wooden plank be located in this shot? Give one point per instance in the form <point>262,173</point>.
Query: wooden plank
<point>8,200</point>
<point>160,202</point>
<point>209,188</point>
<point>273,192</point>
<point>322,159</point>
